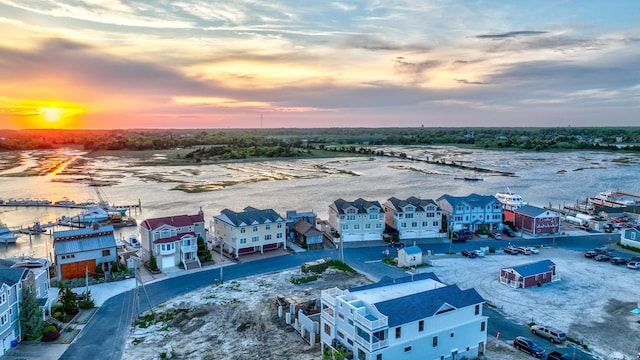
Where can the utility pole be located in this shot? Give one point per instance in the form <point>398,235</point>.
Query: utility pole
<point>221,259</point>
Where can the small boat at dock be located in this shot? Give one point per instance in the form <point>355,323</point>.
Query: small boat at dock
<point>6,235</point>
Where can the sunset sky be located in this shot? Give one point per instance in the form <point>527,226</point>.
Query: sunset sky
<point>96,64</point>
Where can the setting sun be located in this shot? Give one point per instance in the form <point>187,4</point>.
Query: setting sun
<point>52,114</point>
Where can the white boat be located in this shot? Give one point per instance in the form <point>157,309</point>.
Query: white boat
<point>7,236</point>
<point>133,240</point>
<point>510,201</point>
<point>91,215</point>
<point>611,199</point>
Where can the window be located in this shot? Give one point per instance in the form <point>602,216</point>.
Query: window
<point>379,357</point>
<point>361,355</point>
<point>407,349</point>
<point>243,230</point>
<point>409,216</point>
<point>367,226</point>
<point>421,325</point>
<point>378,226</point>
<point>279,226</point>
<point>255,238</point>
<point>106,252</point>
<point>3,298</point>
<point>430,214</point>
<point>255,228</point>
<point>243,241</point>
<point>403,225</point>
<point>327,329</point>
<point>345,227</point>
<point>398,332</point>
<point>268,227</point>
<point>482,326</point>
<point>425,223</point>
<point>356,226</point>
<point>435,223</point>
<point>340,335</point>
<point>434,341</point>
<point>373,216</point>
<point>267,237</point>
<point>451,335</point>
<point>279,236</point>
<point>477,309</point>
<point>4,318</point>
<point>414,224</point>
<point>351,217</point>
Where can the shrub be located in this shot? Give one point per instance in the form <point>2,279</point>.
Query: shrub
<point>50,335</point>
<point>49,328</point>
<point>152,264</point>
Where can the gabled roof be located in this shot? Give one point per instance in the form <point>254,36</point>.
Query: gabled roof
<point>425,297</point>
<point>250,216</point>
<point>13,276</point>
<point>178,237</point>
<point>534,211</point>
<point>473,200</point>
<point>176,221</point>
<point>304,228</point>
<point>420,204</point>
<point>90,242</point>
<point>361,205</point>
<point>412,250</point>
<point>535,268</point>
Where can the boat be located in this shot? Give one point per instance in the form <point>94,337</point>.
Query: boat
<point>7,236</point>
<point>133,240</point>
<point>510,201</point>
<point>91,215</point>
<point>28,261</point>
<point>468,178</point>
<point>35,229</point>
<point>610,199</point>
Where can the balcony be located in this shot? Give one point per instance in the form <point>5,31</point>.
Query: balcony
<point>189,248</point>
<point>329,296</point>
<point>370,321</point>
<point>168,251</point>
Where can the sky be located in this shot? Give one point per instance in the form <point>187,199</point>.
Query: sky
<point>102,64</point>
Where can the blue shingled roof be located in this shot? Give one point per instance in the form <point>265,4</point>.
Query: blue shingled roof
<point>12,276</point>
<point>532,211</point>
<point>250,216</point>
<point>534,268</point>
<point>474,200</point>
<point>412,250</point>
<point>426,304</point>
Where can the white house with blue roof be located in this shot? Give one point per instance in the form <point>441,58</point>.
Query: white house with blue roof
<point>249,231</point>
<point>410,256</point>
<point>413,218</point>
<point>414,317</point>
<point>358,220</point>
<point>471,212</point>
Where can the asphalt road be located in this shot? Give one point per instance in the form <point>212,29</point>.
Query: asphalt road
<point>105,335</point>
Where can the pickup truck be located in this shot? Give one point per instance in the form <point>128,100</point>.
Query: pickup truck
<point>556,355</point>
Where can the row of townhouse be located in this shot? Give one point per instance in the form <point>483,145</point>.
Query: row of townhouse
<point>173,240</point>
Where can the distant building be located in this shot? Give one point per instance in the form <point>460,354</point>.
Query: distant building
<point>631,237</point>
<point>249,231</point>
<point>174,239</point>
<point>536,221</point>
<point>415,317</point>
<point>307,235</point>
<point>294,216</point>
<point>81,251</point>
<point>471,212</point>
<point>528,275</point>
<point>413,218</point>
<point>358,220</point>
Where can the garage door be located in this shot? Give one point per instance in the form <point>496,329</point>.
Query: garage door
<point>77,269</point>
<point>168,261</point>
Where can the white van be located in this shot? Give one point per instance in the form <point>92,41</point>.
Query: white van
<point>524,250</point>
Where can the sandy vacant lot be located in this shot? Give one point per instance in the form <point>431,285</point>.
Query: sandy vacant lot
<point>237,320</point>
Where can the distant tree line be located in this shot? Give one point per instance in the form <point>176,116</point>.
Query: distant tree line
<point>241,143</point>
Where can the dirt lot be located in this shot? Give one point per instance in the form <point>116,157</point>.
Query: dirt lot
<point>238,320</point>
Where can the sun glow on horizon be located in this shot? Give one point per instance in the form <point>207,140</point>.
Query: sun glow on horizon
<point>52,114</point>
<point>40,114</point>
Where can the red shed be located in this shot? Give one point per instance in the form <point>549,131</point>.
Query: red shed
<point>531,274</point>
<point>536,220</point>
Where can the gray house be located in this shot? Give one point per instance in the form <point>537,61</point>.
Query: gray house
<point>306,234</point>
<point>11,281</point>
<point>82,250</point>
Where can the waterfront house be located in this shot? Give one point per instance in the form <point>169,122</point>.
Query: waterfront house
<point>307,235</point>
<point>357,220</point>
<point>11,283</point>
<point>293,217</point>
<point>414,317</point>
<point>410,256</point>
<point>173,240</point>
<point>631,237</point>
<point>249,231</point>
<point>528,275</point>
<point>413,218</point>
<point>471,212</point>
<point>536,221</point>
<point>81,251</point>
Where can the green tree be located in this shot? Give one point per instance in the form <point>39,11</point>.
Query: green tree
<point>69,299</point>
<point>31,321</point>
<point>203,252</point>
<point>152,264</point>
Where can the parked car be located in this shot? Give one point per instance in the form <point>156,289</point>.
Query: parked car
<point>549,333</point>
<point>527,345</point>
<point>507,230</point>
<point>395,244</point>
<point>556,355</point>
<point>524,250</point>
<point>469,253</point>
<point>602,257</point>
<point>603,251</point>
<point>635,259</point>
<point>456,238</point>
<point>634,265</point>
<point>511,250</point>
<point>618,260</point>
<point>590,254</point>
<point>466,234</point>
<point>495,235</point>
<point>534,250</point>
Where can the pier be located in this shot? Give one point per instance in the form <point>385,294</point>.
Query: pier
<point>66,204</point>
